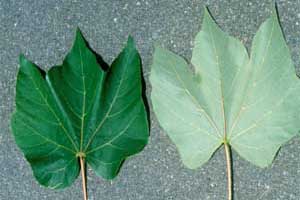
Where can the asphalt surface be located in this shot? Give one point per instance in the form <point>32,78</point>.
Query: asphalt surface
<point>44,31</point>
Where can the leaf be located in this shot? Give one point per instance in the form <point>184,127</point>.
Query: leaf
<point>251,104</point>
<point>79,110</point>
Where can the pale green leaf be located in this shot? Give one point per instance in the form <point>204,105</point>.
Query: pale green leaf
<point>252,103</point>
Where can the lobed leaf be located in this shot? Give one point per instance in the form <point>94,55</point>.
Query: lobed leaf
<point>79,109</point>
<point>252,104</point>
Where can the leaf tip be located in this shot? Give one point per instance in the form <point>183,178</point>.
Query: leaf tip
<point>274,7</point>
<point>79,36</point>
<point>207,14</point>
<point>208,19</point>
<point>274,10</point>
<point>275,16</point>
<point>130,38</point>
<point>130,41</point>
<point>158,50</point>
<point>205,8</point>
<point>22,57</point>
<point>23,60</point>
<point>157,46</point>
<point>78,31</point>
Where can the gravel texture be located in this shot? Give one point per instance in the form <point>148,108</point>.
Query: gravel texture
<point>44,31</point>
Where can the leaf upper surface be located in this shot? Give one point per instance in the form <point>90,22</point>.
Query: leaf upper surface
<point>78,108</point>
<point>250,103</point>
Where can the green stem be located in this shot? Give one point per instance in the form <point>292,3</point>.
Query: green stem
<point>229,170</point>
<point>83,176</point>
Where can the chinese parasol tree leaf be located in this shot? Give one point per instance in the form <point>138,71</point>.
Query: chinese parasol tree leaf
<point>251,104</point>
<point>77,110</point>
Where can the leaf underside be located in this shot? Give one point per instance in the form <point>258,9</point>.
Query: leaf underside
<point>250,103</point>
<point>79,109</point>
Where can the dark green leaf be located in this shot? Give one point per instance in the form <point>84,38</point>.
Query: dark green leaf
<point>78,109</point>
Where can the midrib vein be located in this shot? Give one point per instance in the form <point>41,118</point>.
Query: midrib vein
<point>235,122</point>
<point>83,101</point>
<point>221,86</point>
<point>110,108</point>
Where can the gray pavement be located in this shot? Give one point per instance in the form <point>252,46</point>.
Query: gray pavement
<point>44,31</point>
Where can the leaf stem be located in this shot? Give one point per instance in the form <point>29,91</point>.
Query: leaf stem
<point>229,170</point>
<point>83,176</point>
